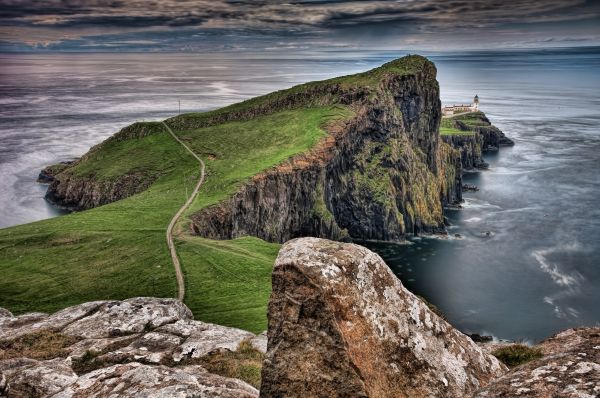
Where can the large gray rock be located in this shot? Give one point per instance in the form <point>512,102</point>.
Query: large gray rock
<point>129,316</point>
<point>570,368</point>
<point>341,324</point>
<point>32,322</point>
<point>138,380</point>
<point>31,378</point>
<point>120,348</point>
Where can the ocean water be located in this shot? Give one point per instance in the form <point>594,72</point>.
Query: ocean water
<point>538,272</point>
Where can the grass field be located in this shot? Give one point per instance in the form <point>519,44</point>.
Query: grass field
<point>448,127</point>
<point>119,250</point>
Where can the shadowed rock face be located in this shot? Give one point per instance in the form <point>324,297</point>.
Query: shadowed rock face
<point>380,175</point>
<point>341,324</point>
<point>570,368</point>
<point>151,346</point>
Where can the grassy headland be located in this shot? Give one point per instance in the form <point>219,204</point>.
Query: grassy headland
<point>118,250</point>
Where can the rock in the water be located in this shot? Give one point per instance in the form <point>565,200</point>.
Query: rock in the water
<point>138,380</point>
<point>341,324</point>
<point>570,368</point>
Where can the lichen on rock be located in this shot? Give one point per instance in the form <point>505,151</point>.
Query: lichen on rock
<point>341,324</point>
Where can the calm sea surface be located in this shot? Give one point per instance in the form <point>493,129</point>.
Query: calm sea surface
<point>539,272</point>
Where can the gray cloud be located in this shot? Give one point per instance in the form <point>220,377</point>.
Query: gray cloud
<point>46,21</point>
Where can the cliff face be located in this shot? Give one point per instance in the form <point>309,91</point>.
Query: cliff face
<point>470,148</point>
<point>74,191</point>
<point>479,136</point>
<point>342,325</point>
<point>381,175</point>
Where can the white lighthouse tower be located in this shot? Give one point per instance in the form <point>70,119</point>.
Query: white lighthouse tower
<point>476,103</point>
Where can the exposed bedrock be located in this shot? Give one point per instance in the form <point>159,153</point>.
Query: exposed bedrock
<point>570,368</point>
<point>140,347</point>
<point>380,175</point>
<point>342,325</point>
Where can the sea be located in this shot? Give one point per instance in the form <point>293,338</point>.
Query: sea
<point>525,261</point>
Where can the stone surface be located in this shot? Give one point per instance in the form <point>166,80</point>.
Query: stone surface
<point>121,349</point>
<point>31,378</point>
<point>138,380</point>
<point>570,368</point>
<point>4,386</point>
<point>341,324</point>
<point>130,316</point>
<point>260,342</point>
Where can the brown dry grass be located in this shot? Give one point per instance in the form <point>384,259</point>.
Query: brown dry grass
<point>44,344</point>
<point>245,363</point>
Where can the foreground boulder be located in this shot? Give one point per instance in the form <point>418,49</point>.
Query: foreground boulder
<point>341,324</point>
<point>137,347</point>
<point>570,368</point>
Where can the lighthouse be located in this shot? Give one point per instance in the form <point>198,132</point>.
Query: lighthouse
<point>476,103</point>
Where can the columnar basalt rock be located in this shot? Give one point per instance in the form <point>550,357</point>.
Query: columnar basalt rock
<point>341,324</point>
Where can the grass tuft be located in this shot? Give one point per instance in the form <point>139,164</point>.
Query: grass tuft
<point>517,354</point>
<point>245,363</point>
<point>44,344</point>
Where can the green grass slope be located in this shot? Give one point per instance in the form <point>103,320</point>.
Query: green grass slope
<point>119,250</point>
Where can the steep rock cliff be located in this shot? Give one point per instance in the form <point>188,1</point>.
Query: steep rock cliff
<point>81,191</point>
<point>472,134</point>
<point>380,175</point>
<point>342,325</point>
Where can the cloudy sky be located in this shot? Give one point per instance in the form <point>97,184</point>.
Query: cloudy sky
<point>234,25</point>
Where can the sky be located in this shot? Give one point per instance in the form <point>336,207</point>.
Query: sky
<point>296,25</point>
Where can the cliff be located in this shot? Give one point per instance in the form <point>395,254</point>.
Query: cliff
<point>380,175</point>
<point>473,134</point>
<point>81,185</point>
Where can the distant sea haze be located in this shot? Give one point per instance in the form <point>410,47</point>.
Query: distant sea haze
<point>537,273</point>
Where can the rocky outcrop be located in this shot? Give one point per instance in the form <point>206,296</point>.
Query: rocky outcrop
<point>381,175</point>
<point>48,173</point>
<point>492,137</point>
<point>570,368</point>
<point>482,137</point>
<point>470,147</point>
<point>136,347</point>
<point>341,324</point>
<point>72,190</point>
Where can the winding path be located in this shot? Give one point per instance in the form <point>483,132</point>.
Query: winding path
<point>173,251</point>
